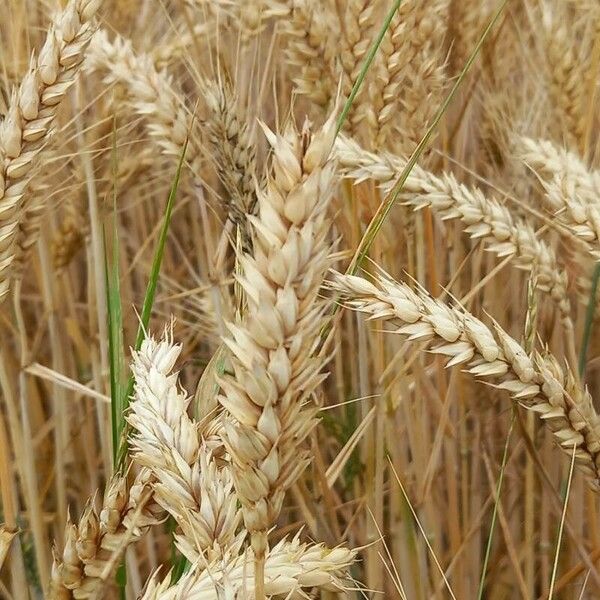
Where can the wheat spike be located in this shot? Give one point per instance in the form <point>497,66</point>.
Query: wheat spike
<point>310,50</point>
<point>30,117</point>
<point>234,154</point>
<point>189,484</point>
<point>567,83</point>
<point>537,383</point>
<point>549,160</point>
<point>291,570</point>
<point>151,93</point>
<point>93,548</point>
<point>273,371</point>
<point>409,77</point>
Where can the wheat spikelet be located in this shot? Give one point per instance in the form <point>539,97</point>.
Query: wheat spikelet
<point>538,383</point>
<point>31,114</point>
<point>273,372</point>
<point>309,49</point>
<point>189,485</point>
<point>484,217</point>
<point>93,547</point>
<point>291,569</point>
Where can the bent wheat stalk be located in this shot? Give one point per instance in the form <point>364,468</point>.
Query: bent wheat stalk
<point>273,373</point>
<point>537,383</point>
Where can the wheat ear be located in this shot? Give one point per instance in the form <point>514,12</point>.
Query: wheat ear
<point>409,76</point>
<point>94,547</point>
<point>189,484</point>
<point>291,569</point>
<point>549,160</point>
<point>310,49</point>
<point>151,93</point>
<point>234,154</point>
<point>537,383</point>
<point>273,372</point>
<point>567,80</point>
<point>485,218</point>
<point>30,117</point>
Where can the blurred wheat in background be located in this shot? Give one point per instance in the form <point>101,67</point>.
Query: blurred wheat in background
<point>298,299</point>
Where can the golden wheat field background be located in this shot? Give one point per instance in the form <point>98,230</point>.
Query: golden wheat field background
<point>298,299</point>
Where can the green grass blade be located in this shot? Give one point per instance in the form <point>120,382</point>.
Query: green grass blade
<point>115,320</point>
<point>151,289</point>
<point>116,349</point>
<point>385,207</point>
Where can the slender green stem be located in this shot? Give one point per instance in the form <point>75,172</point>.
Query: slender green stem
<point>488,548</point>
<point>589,320</point>
<point>367,63</point>
<point>385,207</point>
<point>151,291</point>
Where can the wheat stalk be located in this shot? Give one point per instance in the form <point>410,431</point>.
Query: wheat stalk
<point>33,108</point>
<point>291,569</point>
<point>189,483</point>
<point>273,372</point>
<point>537,383</point>
<point>94,547</point>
